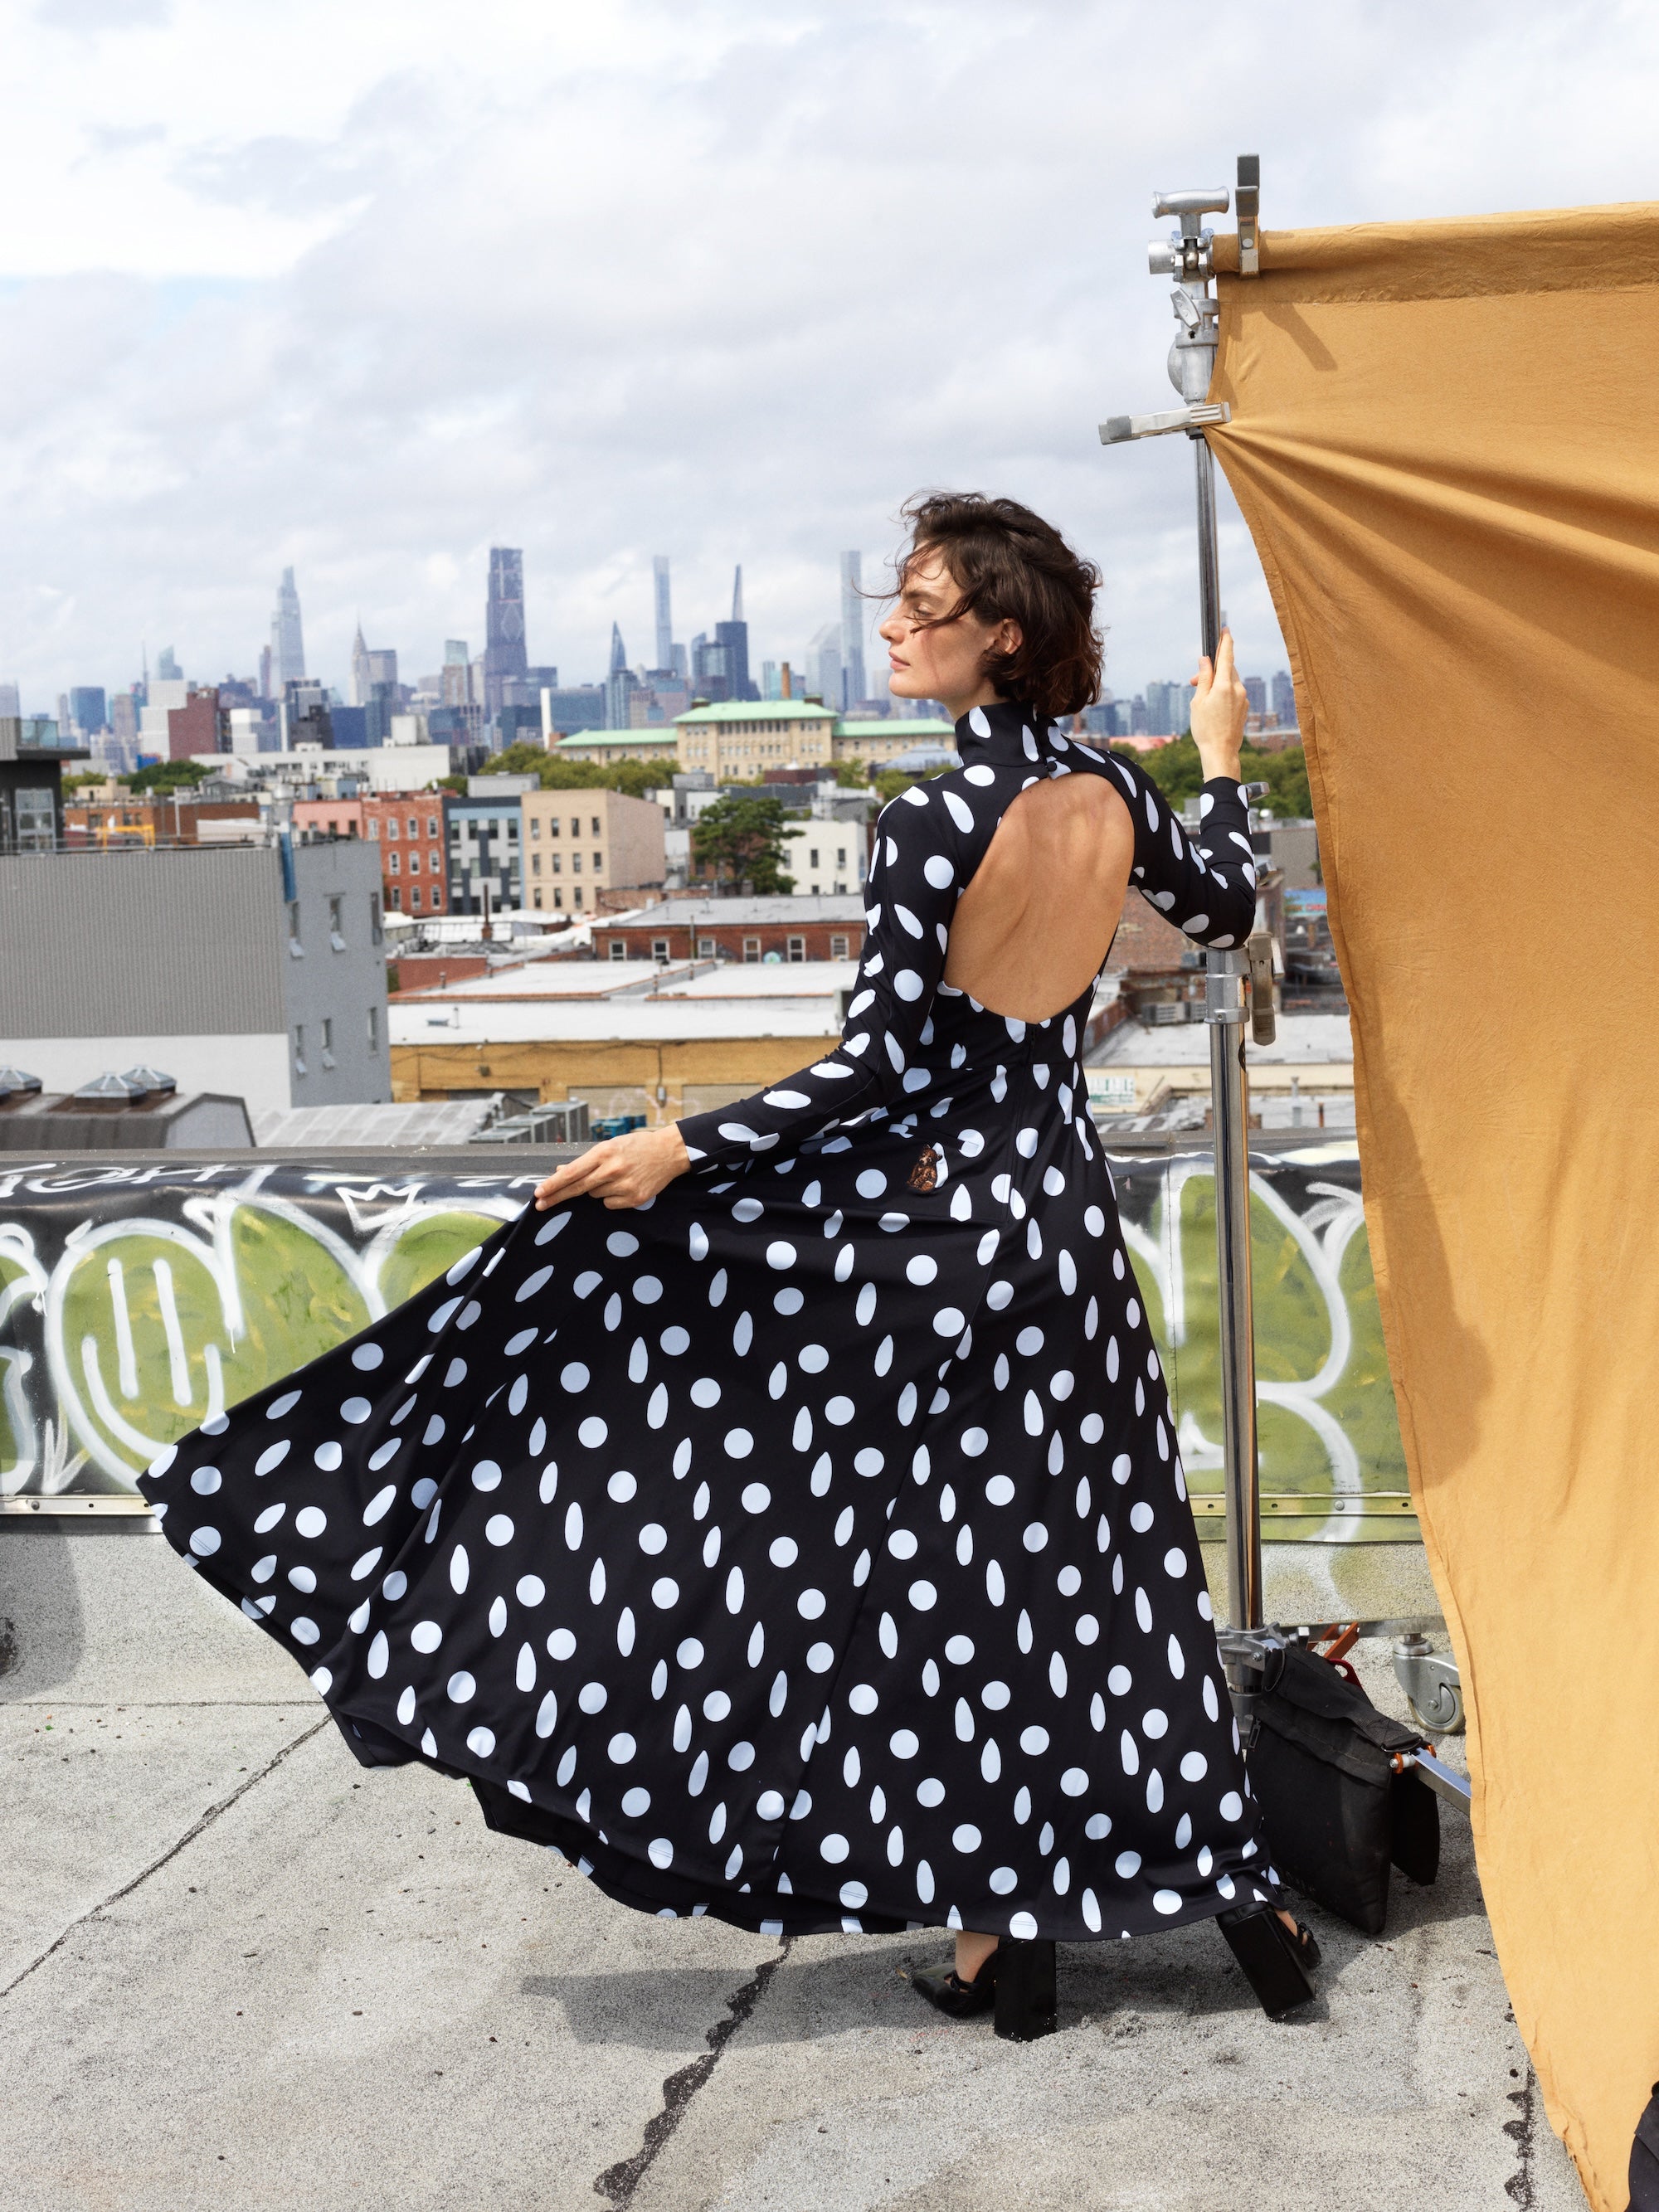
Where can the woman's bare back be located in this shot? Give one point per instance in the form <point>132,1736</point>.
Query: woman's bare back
<point>1032,928</point>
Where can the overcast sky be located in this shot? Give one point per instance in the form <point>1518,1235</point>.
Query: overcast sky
<point>368,288</point>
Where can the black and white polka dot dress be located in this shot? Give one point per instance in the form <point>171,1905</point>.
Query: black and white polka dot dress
<point>809,1547</point>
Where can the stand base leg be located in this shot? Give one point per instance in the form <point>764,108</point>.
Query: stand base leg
<point>1026,2001</point>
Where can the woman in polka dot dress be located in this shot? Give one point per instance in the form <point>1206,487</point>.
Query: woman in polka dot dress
<point>783,1517</point>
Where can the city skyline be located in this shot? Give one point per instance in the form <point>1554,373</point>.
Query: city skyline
<point>257,320</point>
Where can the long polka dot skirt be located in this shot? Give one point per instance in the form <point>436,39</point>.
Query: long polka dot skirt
<point>809,1547</point>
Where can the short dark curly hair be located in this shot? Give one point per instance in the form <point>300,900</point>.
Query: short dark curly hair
<point>1009,565</point>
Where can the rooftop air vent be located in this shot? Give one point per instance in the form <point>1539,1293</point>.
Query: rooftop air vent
<point>14,1081</point>
<point>149,1079</point>
<point>111,1089</point>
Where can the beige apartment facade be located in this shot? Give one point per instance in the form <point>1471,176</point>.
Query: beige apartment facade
<point>575,845</point>
<point>742,738</point>
<point>878,740</point>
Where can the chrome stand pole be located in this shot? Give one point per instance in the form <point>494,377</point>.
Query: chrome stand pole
<point>1185,255</point>
<point>1224,1011</point>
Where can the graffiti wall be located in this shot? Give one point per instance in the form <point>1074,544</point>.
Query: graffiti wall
<point>137,1300</point>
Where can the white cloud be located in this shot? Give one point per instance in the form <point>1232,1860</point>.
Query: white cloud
<point>367,290</point>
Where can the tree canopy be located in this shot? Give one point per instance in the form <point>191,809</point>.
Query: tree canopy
<point>167,776</point>
<point>743,840</point>
<point>632,778</point>
<point>1178,773</point>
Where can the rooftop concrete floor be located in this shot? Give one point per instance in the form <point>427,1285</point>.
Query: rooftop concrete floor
<point>238,1970</point>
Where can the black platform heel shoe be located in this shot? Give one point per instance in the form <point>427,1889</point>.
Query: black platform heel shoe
<point>1278,1965</point>
<point>944,1987</point>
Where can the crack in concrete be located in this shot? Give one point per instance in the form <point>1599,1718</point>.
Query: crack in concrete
<point>619,2183</point>
<point>172,1850</point>
<point>1522,2130</point>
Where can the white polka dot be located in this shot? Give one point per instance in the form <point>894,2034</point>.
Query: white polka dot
<point>1232,1806</point>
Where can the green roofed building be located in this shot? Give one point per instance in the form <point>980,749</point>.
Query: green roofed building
<point>746,738</point>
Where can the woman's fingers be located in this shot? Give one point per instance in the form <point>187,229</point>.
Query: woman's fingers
<point>1223,659</point>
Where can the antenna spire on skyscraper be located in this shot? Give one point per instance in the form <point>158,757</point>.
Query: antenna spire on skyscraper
<point>737,593</point>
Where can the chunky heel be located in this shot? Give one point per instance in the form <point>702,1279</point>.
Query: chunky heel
<point>1274,1962</point>
<point>1027,2004</point>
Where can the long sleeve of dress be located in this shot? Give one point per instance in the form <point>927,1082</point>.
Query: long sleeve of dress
<point>1206,888</point>
<point>917,871</point>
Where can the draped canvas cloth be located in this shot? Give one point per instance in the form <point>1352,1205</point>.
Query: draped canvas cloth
<point>1443,443</point>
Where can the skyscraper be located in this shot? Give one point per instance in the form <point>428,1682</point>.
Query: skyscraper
<point>731,638</point>
<point>504,645</point>
<point>619,686</point>
<point>664,660</point>
<point>1284,700</point>
<point>852,631</point>
<point>287,645</point>
<point>360,677</point>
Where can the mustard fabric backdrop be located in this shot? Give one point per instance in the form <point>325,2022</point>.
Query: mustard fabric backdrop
<point>1445,444</point>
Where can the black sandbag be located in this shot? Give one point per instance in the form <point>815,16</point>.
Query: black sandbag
<point>1644,2159</point>
<point>1337,1814</point>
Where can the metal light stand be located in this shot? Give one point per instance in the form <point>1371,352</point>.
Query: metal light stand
<point>1185,255</point>
<point>1247,1644</point>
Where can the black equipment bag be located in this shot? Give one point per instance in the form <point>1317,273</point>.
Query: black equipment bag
<point>1336,1811</point>
<point>1644,2159</point>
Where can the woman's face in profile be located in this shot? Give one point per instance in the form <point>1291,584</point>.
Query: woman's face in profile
<point>945,662</point>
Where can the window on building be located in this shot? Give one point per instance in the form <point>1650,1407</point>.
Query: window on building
<point>575,864</point>
<point>576,896</point>
<point>558,896</point>
<point>535,898</point>
<point>415,864</point>
<point>535,825</point>
<point>414,826</point>
<point>375,1029</point>
<point>298,1048</point>
<point>618,950</point>
<point>374,917</point>
<point>431,825</point>
<point>841,856</point>
<point>659,948</point>
<point>415,900</point>
<point>394,899</point>
<point>705,948</point>
<point>557,859</point>
<point>373,830</point>
<point>812,857</point>
<point>797,948</point>
<point>598,827</point>
<point>328,1043</point>
<point>752,948</point>
<point>553,826</point>
<point>336,924</point>
<point>535,863</point>
<point>391,825</point>
<point>599,862</point>
<point>294,943</point>
<point>437,898</point>
<point>838,948</point>
<point>395,863</point>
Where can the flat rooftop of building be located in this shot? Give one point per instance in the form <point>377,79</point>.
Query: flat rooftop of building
<point>325,1128</point>
<point>612,979</point>
<point>474,2023</point>
<point>1304,1040</point>
<point>779,910</point>
<point>665,1020</point>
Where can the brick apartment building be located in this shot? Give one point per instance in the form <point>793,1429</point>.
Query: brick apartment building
<point>744,929</point>
<point>409,828</point>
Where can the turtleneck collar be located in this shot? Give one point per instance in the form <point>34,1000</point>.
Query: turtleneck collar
<point>1006,734</point>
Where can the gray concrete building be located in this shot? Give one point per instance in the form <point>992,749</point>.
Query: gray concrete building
<point>252,970</point>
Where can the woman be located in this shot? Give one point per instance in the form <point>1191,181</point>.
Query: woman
<point>797,1535</point>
